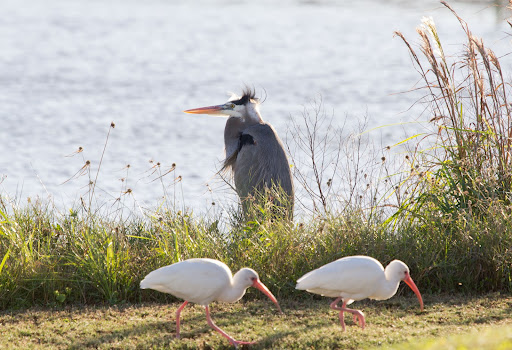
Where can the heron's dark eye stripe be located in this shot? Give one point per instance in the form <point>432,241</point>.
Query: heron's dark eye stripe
<point>243,100</point>
<point>247,95</point>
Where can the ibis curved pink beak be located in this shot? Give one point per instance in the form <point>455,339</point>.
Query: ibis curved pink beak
<point>207,110</point>
<point>257,284</point>
<point>415,289</point>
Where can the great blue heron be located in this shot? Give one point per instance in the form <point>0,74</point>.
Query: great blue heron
<point>254,152</point>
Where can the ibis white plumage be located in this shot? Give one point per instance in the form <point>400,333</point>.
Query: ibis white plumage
<point>202,281</point>
<point>355,278</point>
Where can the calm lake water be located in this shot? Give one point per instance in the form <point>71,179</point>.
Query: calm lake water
<point>68,68</point>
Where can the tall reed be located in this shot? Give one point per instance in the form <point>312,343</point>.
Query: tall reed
<point>466,163</point>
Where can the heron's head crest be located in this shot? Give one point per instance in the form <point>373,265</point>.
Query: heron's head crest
<point>248,94</point>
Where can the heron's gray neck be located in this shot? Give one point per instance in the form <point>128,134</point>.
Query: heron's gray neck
<point>234,127</point>
<point>253,115</point>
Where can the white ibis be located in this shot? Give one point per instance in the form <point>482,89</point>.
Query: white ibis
<point>202,281</point>
<point>355,278</point>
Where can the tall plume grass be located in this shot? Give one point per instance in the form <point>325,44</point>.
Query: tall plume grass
<point>459,182</point>
<point>467,162</point>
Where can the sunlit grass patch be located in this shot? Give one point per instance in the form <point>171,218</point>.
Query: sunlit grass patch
<point>396,323</point>
<point>496,337</point>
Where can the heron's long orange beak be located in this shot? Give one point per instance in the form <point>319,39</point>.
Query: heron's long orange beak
<point>207,110</point>
<point>415,289</point>
<point>257,284</point>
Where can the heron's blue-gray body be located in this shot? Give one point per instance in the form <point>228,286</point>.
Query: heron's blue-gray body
<point>257,158</point>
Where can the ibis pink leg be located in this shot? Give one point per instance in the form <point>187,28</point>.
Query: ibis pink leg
<point>356,319</point>
<point>357,314</point>
<point>178,312</point>
<point>224,334</point>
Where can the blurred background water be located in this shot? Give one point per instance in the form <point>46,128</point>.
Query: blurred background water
<point>68,68</point>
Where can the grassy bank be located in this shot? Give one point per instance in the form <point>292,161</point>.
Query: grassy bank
<point>57,260</point>
<point>484,323</point>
